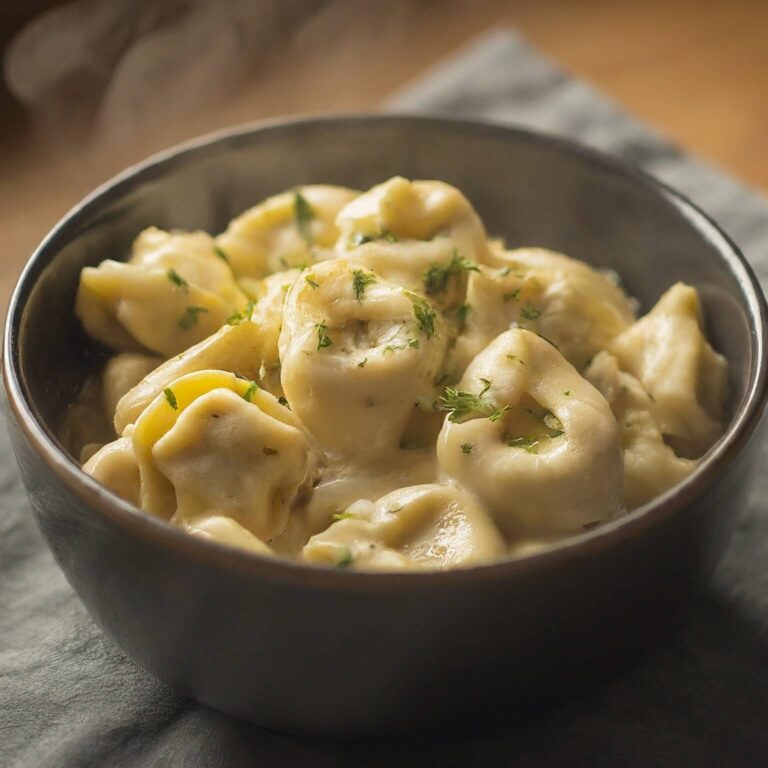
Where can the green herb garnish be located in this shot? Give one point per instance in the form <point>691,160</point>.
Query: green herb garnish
<point>345,558</point>
<point>250,392</point>
<point>303,212</point>
<point>413,343</point>
<point>221,253</point>
<point>362,363</point>
<point>311,282</point>
<point>269,451</point>
<point>464,405</point>
<point>486,386</point>
<point>171,398</point>
<point>283,401</point>
<point>177,279</point>
<point>510,295</point>
<point>360,281</point>
<point>345,516</point>
<point>189,318</point>
<point>529,312</point>
<point>234,319</point>
<point>438,276</point>
<point>323,339</point>
<point>567,393</point>
<point>425,315</point>
<point>466,447</point>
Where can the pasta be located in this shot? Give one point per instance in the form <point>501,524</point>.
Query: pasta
<point>366,381</point>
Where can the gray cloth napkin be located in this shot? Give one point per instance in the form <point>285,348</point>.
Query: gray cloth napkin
<point>68,697</point>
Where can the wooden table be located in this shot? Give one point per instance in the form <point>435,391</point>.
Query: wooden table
<point>698,71</point>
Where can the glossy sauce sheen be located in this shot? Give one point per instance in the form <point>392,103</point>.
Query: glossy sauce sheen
<point>368,381</point>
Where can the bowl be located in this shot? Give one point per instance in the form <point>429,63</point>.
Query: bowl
<point>310,649</point>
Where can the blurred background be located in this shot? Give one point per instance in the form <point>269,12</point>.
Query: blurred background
<point>91,86</point>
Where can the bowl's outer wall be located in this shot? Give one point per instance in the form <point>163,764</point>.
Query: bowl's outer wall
<point>363,653</point>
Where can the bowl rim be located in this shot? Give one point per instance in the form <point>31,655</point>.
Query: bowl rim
<point>161,532</point>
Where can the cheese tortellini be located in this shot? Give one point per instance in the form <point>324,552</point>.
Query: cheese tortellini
<point>366,381</point>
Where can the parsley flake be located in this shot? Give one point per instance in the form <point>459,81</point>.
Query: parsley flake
<point>311,282</point>
<point>424,314</point>
<point>529,312</point>
<point>189,318</point>
<point>234,319</point>
<point>177,279</point>
<point>360,239</point>
<point>511,295</point>
<point>462,406</point>
<point>486,386</point>
<point>462,313</point>
<point>250,392</point>
<point>267,451</point>
<point>171,398</point>
<point>360,281</point>
<point>323,339</point>
<point>438,276</point>
<point>345,516</point>
<point>283,401</point>
<point>345,558</point>
<point>303,213</point>
<point>567,393</point>
<point>362,363</point>
<point>466,447</point>
<point>221,253</point>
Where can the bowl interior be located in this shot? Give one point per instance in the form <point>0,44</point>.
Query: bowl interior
<point>530,190</point>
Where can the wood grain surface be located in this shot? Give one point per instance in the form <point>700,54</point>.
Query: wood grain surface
<point>697,71</point>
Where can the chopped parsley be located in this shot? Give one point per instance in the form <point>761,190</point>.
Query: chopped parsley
<point>464,405</point>
<point>248,311</point>
<point>267,451</point>
<point>529,312</point>
<point>250,392</point>
<point>486,386</point>
<point>303,213</point>
<point>235,318</point>
<point>388,236</point>
<point>323,339</point>
<point>177,279</point>
<point>466,447</point>
<point>511,295</point>
<point>515,358</point>
<point>413,343</point>
<point>362,363</point>
<point>424,314</point>
<point>345,516</point>
<point>504,272</point>
<point>221,253</point>
<point>567,393</point>
<point>311,282</point>
<point>360,281</point>
<point>189,318</point>
<point>345,558</point>
<point>438,276</point>
<point>282,401</point>
<point>171,398</point>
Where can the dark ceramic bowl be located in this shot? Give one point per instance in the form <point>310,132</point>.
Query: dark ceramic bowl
<point>303,648</point>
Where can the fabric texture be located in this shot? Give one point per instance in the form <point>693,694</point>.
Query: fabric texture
<point>68,697</point>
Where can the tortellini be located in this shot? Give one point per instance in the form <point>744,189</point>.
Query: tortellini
<point>424,235</point>
<point>357,353</point>
<point>685,378</point>
<point>366,381</point>
<point>213,442</point>
<point>424,526</point>
<point>284,230</point>
<point>650,465</point>
<point>116,467</point>
<point>172,293</point>
<point>533,440</point>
